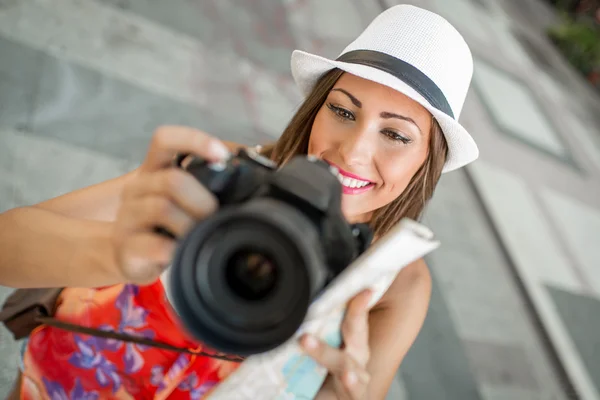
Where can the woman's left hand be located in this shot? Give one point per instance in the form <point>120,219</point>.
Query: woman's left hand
<point>348,377</point>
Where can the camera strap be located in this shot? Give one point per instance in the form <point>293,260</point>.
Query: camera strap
<point>130,338</point>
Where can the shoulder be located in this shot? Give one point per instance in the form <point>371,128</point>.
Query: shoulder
<point>417,271</point>
<point>412,285</point>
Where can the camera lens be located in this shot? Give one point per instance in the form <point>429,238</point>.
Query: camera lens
<point>242,279</point>
<point>250,274</point>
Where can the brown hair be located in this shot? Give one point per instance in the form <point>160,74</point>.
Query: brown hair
<point>410,203</point>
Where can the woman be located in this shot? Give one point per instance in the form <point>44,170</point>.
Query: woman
<point>385,113</point>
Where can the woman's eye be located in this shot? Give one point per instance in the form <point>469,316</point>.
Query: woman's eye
<point>341,112</point>
<point>395,136</point>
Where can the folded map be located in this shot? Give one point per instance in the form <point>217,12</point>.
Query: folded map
<point>287,372</point>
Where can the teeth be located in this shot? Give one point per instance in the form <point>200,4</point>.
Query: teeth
<point>350,182</point>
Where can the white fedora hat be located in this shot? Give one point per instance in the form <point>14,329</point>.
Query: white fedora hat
<point>416,52</point>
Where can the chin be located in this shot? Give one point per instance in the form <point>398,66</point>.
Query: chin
<point>353,209</point>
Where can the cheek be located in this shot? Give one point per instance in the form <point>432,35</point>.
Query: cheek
<point>395,183</point>
<point>398,171</point>
<point>322,135</point>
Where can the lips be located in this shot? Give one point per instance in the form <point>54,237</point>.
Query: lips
<point>351,183</point>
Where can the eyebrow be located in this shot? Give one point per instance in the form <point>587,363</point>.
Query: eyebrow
<point>387,115</point>
<point>354,100</point>
<point>384,114</point>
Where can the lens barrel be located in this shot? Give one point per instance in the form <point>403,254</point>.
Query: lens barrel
<point>242,280</point>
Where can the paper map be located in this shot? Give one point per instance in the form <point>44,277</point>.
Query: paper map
<point>286,372</point>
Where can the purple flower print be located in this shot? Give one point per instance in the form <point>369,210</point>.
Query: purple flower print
<point>157,376</point>
<point>200,391</point>
<point>88,358</point>
<point>79,394</point>
<point>57,392</point>
<point>190,383</point>
<point>132,318</point>
<point>107,374</point>
<point>133,359</point>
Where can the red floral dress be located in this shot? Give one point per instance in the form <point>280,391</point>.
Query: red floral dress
<point>63,365</point>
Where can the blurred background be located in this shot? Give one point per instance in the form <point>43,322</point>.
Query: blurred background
<point>515,311</point>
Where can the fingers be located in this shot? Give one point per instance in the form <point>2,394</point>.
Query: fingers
<point>355,327</point>
<point>169,141</point>
<point>145,257</point>
<point>178,186</point>
<point>161,196</point>
<point>348,365</point>
<point>330,358</point>
<point>155,211</point>
<point>341,366</point>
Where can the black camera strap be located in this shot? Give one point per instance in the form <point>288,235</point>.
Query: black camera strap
<point>46,320</point>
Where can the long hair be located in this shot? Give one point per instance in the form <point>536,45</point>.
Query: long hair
<point>410,204</point>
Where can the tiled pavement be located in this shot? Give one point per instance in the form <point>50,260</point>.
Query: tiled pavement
<point>516,281</point>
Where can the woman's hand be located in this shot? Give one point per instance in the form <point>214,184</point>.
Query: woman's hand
<point>162,196</point>
<point>348,377</point>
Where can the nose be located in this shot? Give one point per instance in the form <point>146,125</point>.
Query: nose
<point>357,147</point>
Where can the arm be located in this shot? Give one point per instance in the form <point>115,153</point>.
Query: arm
<point>391,327</point>
<point>65,241</point>
<point>394,323</point>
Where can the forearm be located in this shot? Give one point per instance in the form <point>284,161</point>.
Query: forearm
<point>386,353</point>
<point>40,248</point>
<point>394,324</point>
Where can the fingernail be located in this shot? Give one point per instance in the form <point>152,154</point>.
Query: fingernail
<point>220,149</point>
<point>310,342</point>
<point>351,378</point>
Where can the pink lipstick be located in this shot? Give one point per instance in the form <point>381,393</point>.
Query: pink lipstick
<point>352,183</point>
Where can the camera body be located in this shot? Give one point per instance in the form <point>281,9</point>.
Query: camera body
<point>241,280</point>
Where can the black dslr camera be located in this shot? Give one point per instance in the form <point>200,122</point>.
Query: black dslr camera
<point>242,280</point>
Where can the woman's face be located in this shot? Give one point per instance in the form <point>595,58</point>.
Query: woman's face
<point>377,137</point>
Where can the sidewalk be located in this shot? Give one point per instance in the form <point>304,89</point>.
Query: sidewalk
<point>83,84</point>
<point>539,174</point>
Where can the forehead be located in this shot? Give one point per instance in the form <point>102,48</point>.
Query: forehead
<point>376,95</point>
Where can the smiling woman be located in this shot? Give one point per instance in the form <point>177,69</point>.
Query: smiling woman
<point>389,149</point>
<point>360,133</point>
<point>384,113</point>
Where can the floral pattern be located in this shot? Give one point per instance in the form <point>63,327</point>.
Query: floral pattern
<point>191,384</point>
<point>88,357</point>
<point>56,392</point>
<point>62,365</point>
<point>132,319</point>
